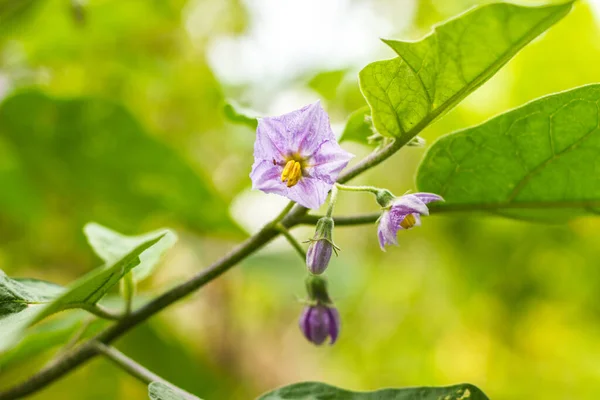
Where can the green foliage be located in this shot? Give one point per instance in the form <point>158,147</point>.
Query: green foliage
<point>162,391</point>
<point>431,76</point>
<point>239,115</point>
<point>111,246</point>
<point>359,127</point>
<point>28,301</point>
<point>88,158</point>
<point>537,161</point>
<point>326,83</point>
<point>321,391</point>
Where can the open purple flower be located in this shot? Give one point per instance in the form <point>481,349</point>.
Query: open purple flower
<point>403,213</point>
<point>320,321</point>
<point>297,156</point>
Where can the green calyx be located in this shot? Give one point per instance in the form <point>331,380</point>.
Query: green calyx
<point>316,286</point>
<point>384,198</point>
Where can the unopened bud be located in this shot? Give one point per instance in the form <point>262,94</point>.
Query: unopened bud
<point>321,247</point>
<point>319,321</point>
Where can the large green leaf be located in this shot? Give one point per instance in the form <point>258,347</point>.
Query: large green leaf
<point>541,160</point>
<point>431,76</point>
<point>25,302</point>
<point>162,391</point>
<point>87,158</point>
<point>110,246</point>
<point>321,391</point>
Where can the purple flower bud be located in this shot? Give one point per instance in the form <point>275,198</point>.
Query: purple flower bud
<point>321,247</point>
<point>320,321</point>
<point>318,256</point>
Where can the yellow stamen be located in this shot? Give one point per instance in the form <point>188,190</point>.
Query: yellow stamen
<point>292,172</point>
<point>408,222</point>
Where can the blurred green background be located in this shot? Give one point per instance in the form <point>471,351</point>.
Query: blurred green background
<point>112,112</point>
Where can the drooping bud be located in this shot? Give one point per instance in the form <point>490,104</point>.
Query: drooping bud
<point>321,247</point>
<point>319,321</point>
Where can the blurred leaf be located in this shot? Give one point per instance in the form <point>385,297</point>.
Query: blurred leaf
<point>239,115</point>
<point>91,160</point>
<point>321,391</point>
<point>25,302</point>
<point>358,127</point>
<point>110,246</point>
<point>539,161</point>
<point>326,83</point>
<point>14,12</point>
<point>162,391</point>
<point>433,75</point>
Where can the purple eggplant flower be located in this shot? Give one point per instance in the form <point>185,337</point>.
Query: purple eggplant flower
<point>319,321</point>
<point>296,155</point>
<point>403,213</point>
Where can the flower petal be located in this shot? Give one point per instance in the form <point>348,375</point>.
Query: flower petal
<point>271,142</point>
<point>328,160</point>
<point>428,197</point>
<point>267,177</point>
<point>409,203</point>
<point>387,229</point>
<point>334,324</point>
<point>307,128</point>
<point>309,192</point>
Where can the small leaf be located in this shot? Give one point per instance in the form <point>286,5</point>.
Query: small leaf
<point>239,115</point>
<point>539,161</point>
<point>25,302</point>
<point>111,246</point>
<point>359,127</point>
<point>321,391</point>
<point>162,391</point>
<point>429,77</point>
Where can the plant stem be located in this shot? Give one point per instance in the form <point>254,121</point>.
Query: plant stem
<point>350,220</point>
<point>332,200</point>
<point>127,364</point>
<point>347,188</point>
<point>101,311</point>
<point>292,240</point>
<point>128,291</point>
<point>134,369</point>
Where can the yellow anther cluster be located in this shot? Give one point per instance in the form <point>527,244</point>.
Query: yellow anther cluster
<point>292,172</point>
<point>408,222</point>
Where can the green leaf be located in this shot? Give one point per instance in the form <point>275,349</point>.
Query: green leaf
<point>326,83</point>
<point>90,288</point>
<point>162,391</point>
<point>88,158</point>
<point>539,161</point>
<point>359,127</point>
<point>321,391</point>
<point>431,76</point>
<point>110,246</point>
<point>25,302</point>
<point>239,115</point>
